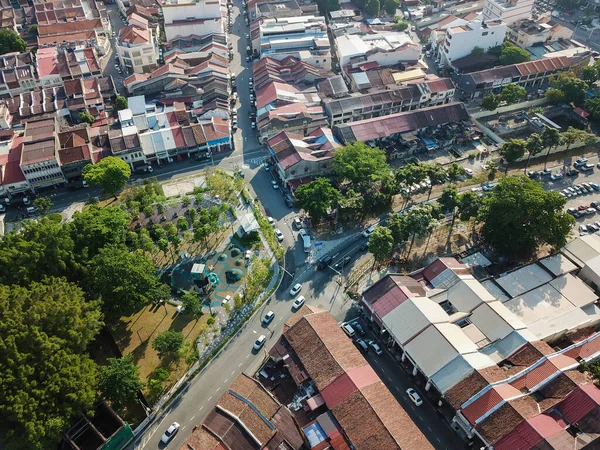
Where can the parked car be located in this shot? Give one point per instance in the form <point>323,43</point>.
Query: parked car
<point>369,231</point>
<point>170,433</point>
<point>414,397</point>
<point>572,172</point>
<point>594,186</point>
<point>488,187</point>
<point>358,327</point>
<point>546,172</point>
<point>583,230</point>
<point>268,318</point>
<point>580,162</point>
<point>298,302</point>
<point>259,342</point>
<point>376,348</point>
<point>348,329</point>
<point>274,184</point>
<point>279,234</point>
<point>297,288</point>
<point>343,262</point>
<point>583,207</point>
<point>590,211</point>
<point>271,221</point>
<point>593,227</point>
<point>362,346</point>
<point>468,172</point>
<point>556,176</point>
<point>324,262</point>
<point>364,246</point>
<point>297,223</point>
<point>572,210</point>
<point>533,174</point>
<point>586,168</point>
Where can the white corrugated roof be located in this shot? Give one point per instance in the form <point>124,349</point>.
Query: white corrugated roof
<point>523,280</point>
<point>574,289</point>
<point>431,351</point>
<point>457,338</point>
<point>582,249</point>
<point>451,373</point>
<point>495,290</point>
<point>490,322</point>
<point>558,264</point>
<point>412,316</point>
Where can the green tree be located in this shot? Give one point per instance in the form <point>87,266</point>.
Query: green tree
<point>477,51</point>
<point>192,304</point>
<point>455,172</point>
<point>593,106</point>
<point>123,280</point>
<point>86,117</point>
<point>589,74</point>
<point>534,145</point>
<point>449,199</point>
<point>512,151</point>
<point>119,382</point>
<point>409,175</point>
<point>419,222</point>
<point>491,102</point>
<point>397,226</point>
<point>519,215</point>
<point>43,204</point>
<point>437,175</point>
<point>359,164</point>
<point>95,228</point>
<point>168,343</point>
<point>550,139</point>
<point>257,279</point>
<point>33,30</point>
<point>121,103</point>
<point>468,205</point>
<point>10,41</point>
<point>572,87</point>
<point>111,173</point>
<point>316,198</point>
<point>47,376</point>
<point>570,136</point>
<point>40,249</point>
<point>511,54</point>
<point>390,7</point>
<point>511,93</point>
<point>372,8</point>
<point>326,6</point>
<point>555,96</point>
<point>381,243</point>
<point>182,223</point>
<point>401,26</point>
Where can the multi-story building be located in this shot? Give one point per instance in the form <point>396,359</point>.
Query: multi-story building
<point>303,37</point>
<point>300,159</point>
<point>532,73</point>
<point>54,66</point>
<point>288,70</point>
<point>526,33</point>
<point>136,46</point>
<point>194,47</point>
<point>392,100</point>
<point>187,17</point>
<point>387,49</point>
<point>508,11</point>
<point>39,158</point>
<point>75,152</point>
<point>12,180</point>
<point>84,95</point>
<point>461,41</point>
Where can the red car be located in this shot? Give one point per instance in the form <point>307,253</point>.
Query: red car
<point>583,207</point>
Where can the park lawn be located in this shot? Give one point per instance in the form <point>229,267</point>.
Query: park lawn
<point>134,334</point>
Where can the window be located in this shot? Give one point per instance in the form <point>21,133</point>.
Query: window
<point>485,33</point>
<point>137,62</point>
<point>137,54</point>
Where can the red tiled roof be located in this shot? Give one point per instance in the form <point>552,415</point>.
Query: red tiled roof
<point>134,35</point>
<point>579,402</point>
<point>543,65</point>
<point>585,349</point>
<point>488,400</point>
<point>529,433</point>
<point>440,265</point>
<point>535,376</point>
<point>12,169</point>
<point>69,27</point>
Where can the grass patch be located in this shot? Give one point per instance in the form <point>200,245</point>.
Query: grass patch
<point>135,334</point>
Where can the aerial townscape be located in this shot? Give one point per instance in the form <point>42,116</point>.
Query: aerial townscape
<point>299,224</point>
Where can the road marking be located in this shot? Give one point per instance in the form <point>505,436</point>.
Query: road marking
<point>248,356</point>
<point>192,418</point>
<point>202,407</point>
<point>232,372</point>
<point>183,427</point>
<point>219,388</point>
<point>209,398</point>
<point>438,439</point>
<point>240,365</point>
<point>420,418</point>
<point>254,332</point>
<point>225,381</point>
<point>429,428</point>
<point>280,319</point>
<point>383,370</point>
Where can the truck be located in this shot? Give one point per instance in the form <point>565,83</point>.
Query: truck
<point>305,239</point>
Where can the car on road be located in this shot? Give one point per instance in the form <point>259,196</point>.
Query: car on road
<point>358,327</point>
<point>259,342</point>
<point>297,223</point>
<point>362,346</point>
<point>586,168</point>
<point>468,172</point>
<point>324,262</point>
<point>414,397</point>
<point>580,162</point>
<point>171,431</point>
<point>294,290</point>
<point>274,184</point>
<point>572,172</point>
<point>533,174</point>
<point>268,318</point>
<point>556,176</point>
<point>298,302</point>
<point>279,234</point>
<point>488,187</point>
<point>364,246</point>
<point>271,221</point>
<point>376,348</point>
<point>594,186</point>
<point>369,231</point>
<point>546,172</point>
<point>343,262</point>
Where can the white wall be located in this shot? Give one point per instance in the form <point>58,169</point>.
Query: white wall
<point>200,10</point>
<point>496,9</point>
<point>208,27</point>
<point>460,44</point>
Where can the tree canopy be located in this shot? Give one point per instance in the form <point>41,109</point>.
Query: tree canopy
<point>111,173</point>
<point>511,54</point>
<point>513,150</point>
<point>357,163</point>
<point>124,280</point>
<point>168,343</point>
<point>491,102</point>
<point>572,87</point>
<point>43,204</point>
<point>120,103</point>
<point>381,243</point>
<point>373,7</point>
<point>511,93</point>
<point>555,96</point>
<point>316,198</point>
<point>119,381</point>
<point>391,6</point>
<point>10,41</point>
<point>519,215</point>
<point>326,6</point>
<point>47,377</point>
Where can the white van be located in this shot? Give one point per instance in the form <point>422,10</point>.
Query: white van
<point>348,329</point>
<point>31,210</point>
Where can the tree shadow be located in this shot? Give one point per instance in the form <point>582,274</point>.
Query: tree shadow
<point>138,353</point>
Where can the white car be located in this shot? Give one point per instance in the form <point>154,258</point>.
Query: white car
<point>298,302</point>
<point>226,300</point>
<point>279,234</point>
<point>259,342</point>
<point>297,288</point>
<point>469,172</point>
<point>171,431</point>
<point>248,254</point>
<point>274,184</point>
<point>415,398</point>
<point>271,221</point>
<point>376,348</point>
<point>369,231</point>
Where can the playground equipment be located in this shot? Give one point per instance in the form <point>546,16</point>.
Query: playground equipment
<point>202,278</point>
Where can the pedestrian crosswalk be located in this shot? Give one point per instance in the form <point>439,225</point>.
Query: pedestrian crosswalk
<point>258,161</point>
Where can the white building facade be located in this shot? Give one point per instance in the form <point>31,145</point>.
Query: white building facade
<point>509,11</point>
<point>185,17</point>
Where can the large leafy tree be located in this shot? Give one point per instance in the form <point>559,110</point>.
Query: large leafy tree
<point>94,228</point>
<point>192,304</point>
<point>41,249</point>
<point>125,281</point>
<point>455,172</point>
<point>46,375</point>
<point>491,102</point>
<point>43,204</point>
<point>381,243</point>
<point>534,145</point>
<point>555,96</point>
<point>593,106</point>
<point>437,175</point>
<point>373,7</point>
<point>397,225</point>
<point>519,216</point>
<point>512,93</point>
<point>468,205</point>
<point>168,343</point>
<point>10,41</point>
<point>111,173</point>
<point>119,381</point>
<point>326,6</point>
<point>449,199</point>
<point>359,164</point>
<point>572,87</point>
<point>512,151</point>
<point>550,139</point>
<point>589,74</point>
<point>316,198</point>
<point>120,103</point>
<point>419,221</point>
<point>511,54</point>
<point>390,7</point>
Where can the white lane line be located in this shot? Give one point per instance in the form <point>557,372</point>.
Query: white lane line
<point>183,427</point>
<point>383,370</point>
<point>192,418</point>
<point>232,372</point>
<point>202,407</point>
<point>429,428</point>
<point>420,418</point>
<point>280,319</point>
<point>240,365</point>
<point>438,439</point>
<point>209,398</point>
<point>390,378</point>
<point>248,356</point>
<point>219,388</point>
